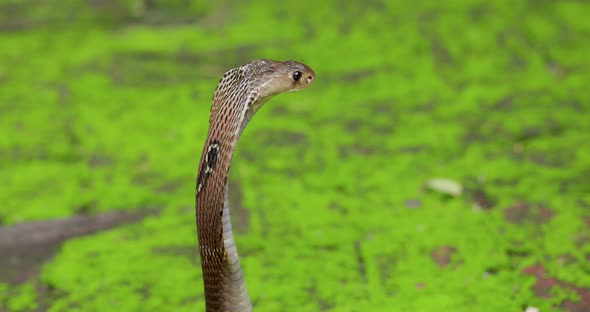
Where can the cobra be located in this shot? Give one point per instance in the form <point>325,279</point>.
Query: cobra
<point>239,94</point>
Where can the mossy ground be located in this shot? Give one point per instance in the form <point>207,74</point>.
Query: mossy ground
<point>104,106</point>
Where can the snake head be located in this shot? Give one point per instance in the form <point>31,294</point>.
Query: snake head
<point>280,77</point>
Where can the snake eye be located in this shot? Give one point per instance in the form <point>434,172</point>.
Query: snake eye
<point>297,75</point>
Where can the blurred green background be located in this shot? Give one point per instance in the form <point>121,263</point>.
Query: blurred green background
<point>104,107</point>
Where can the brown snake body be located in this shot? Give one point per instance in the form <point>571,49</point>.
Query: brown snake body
<point>239,94</point>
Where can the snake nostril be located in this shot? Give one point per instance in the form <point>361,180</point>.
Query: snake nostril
<point>309,79</point>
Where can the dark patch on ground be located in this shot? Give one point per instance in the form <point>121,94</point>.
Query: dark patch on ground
<point>362,266</point>
<point>151,12</point>
<point>444,60</point>
<point>347,151</point>
<point>170,187</point>
<point>440,52</point>
<point>24,247</point>
<point>582,239</point>
<point>364,147</point>
<point>413,203</point>
<point>283,111</point>
<point>549,128</point>
<point>385,264</point>
<point>507,103</point>
<point>506,40</point>
<point>481,199</point>
<point>282,138</point>
<point>264,223</point>
<point>191,252</point>
<point>479,12</point>
<point>442,255</point>
<point>240,216</point>
<point>147,68</point>
<point>98,160</point>
<point>577,183</point>
<point>505,182</point>
<point>144,177</point>
<point>489,129</point>
<point>356,125</point>
<point>476,193</point>
<point>544,284</point>
<point>338,208</point>
<point>19,16</point>
<point>383,108</point>
<point>476,132</point>
<point>517,251</point>
<point>520,213</point>
<point>45,295</point>
<point>413,149</point>
<point>493,270</point>
<point>566,259</point>
<point>193,301</point>
<point>322,304</point>
<point>87,208</point>
<point>358,75</point>
<point>555,158</point>
<point>269,140</point>
<point>352,126</point>
<point>13,17</point>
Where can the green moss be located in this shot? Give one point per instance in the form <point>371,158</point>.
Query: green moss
<point>111,111</point>
<point>22,298</point>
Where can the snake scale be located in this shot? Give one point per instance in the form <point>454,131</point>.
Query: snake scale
<point>239,94</point>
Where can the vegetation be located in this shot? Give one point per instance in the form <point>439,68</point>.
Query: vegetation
<point>104,106</point>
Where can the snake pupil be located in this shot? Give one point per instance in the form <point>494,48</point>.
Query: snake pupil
<point>297,75</point>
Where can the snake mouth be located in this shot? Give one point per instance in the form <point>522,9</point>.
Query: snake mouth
<point>309,74</point>
<point>307,79</point>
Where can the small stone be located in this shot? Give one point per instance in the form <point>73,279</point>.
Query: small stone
<point>531,309</point>
<point>445,186</point>
<point>413,203</point>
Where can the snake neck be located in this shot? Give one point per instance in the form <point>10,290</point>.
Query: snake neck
<point>225,288</point>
